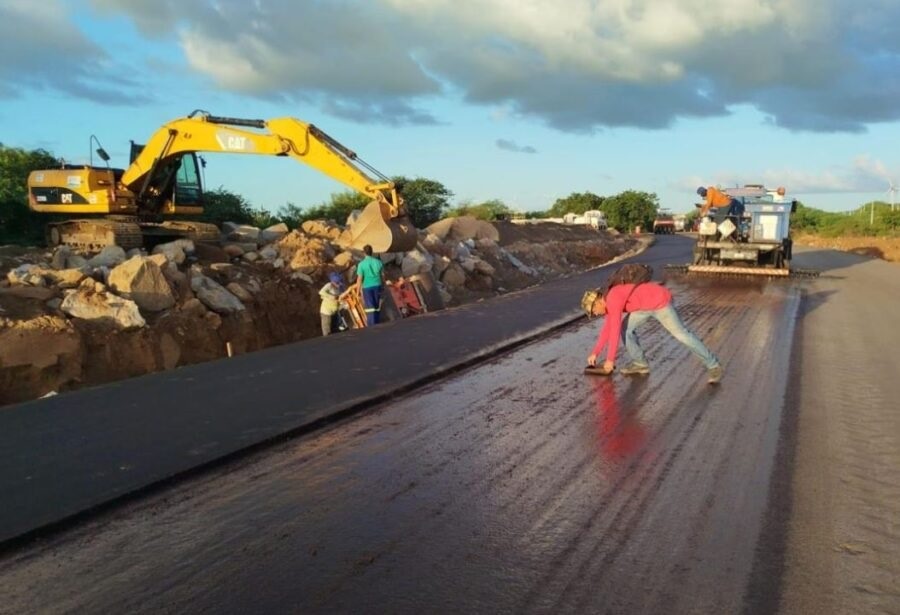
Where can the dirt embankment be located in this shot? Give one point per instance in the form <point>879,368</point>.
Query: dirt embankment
<point>71,320</point>
<point>885,248</point>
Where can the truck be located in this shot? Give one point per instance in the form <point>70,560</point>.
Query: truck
<point>758,242</point>
<point>159,195</point>
<point>664,223</point>
<point>593,218</point>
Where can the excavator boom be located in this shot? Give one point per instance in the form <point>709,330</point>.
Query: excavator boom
<point>384,224</point>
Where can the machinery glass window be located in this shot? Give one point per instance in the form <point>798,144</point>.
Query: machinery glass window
<point>187,182</point>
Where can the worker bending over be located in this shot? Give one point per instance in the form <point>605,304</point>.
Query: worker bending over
<point>637,303</point>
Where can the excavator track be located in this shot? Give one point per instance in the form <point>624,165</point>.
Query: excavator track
<point>737,272</point>
<point>94,235</point>
<point>197,231</point>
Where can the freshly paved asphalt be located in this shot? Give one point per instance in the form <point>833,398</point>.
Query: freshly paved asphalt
<point>71,454</point>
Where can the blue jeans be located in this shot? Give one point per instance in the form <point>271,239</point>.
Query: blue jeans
<point>372,303</point>
<point>669,319</point>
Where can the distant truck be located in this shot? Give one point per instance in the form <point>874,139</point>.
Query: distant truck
<point>593,218</point>
<point>664,224</point>
<point>681,223</point>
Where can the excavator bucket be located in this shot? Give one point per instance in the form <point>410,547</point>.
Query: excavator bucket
<point>376,228</point>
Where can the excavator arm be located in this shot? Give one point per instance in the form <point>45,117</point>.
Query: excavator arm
<point>282,137</point>
<point>384,224</point>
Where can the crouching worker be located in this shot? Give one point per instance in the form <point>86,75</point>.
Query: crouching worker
<point>330,295</point>
<point>636,303</point>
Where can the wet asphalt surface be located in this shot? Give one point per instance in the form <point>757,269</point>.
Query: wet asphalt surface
<point>521,485</point>
<point>518,485</point>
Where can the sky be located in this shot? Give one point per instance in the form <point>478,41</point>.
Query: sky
<point>525,101</point>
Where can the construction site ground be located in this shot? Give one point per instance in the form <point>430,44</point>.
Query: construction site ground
<point>886,248</point>
<point>516,484</point>
<point>44,351</point>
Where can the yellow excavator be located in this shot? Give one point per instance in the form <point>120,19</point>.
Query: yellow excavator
<point>153,199</point>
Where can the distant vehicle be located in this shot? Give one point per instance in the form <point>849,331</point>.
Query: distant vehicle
<point>664,224</point>
<point>682,225</point>
<point>593,218</point>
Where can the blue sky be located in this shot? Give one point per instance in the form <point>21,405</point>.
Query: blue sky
<point>520,100</point>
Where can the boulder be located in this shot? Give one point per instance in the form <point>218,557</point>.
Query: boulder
<point>91,305</point>
<point>468,264</point>
<point>484,267</point>
<point>312,256</point>
<point>440,265</point>
<point>240,292</point>
<point>159,259</point>
<point>141,279</point>
<point>299,275</point>
<point>209,253</point>
<point>518,264</point>
<point>214,295</point>
<point>251,257</point>
<point>344,259</point>
<point>273,233</point>
<point>253,285</point>
<point>463,228</point>
<point>110,256</point>
<point>76,261</point>
<point>66,278</point>
<point>244,233</point>
<point>322,228</point>
<point>173,251</point>
<point>461,252</point>
<point>454,276</point>
<point>415,262</point>
<point>234,250</point>
<point>27,275</point>
<point>194,306</point>
<point>179,281</point>
<point>269,253</point>
<point>60,257</point>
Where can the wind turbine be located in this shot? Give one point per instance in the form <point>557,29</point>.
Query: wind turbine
<point>892,189</point>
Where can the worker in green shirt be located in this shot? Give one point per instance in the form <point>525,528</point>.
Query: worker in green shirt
<point>370,280</point>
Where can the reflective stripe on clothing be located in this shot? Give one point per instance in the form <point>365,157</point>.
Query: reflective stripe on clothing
<point>372,303</point>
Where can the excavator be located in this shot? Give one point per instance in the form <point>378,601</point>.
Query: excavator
<point>155,197</point>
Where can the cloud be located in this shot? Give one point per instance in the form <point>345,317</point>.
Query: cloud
<point>511,146</point>
<point>808,65</point>
<point>863,174</point>
<point>41,50</point>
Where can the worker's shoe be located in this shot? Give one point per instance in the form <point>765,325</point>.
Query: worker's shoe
<point>715,375</point>
<point>635,369</point>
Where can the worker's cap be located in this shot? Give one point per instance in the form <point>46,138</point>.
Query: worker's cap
<point>587,300</point>
<point>336,279</point>
<point>701,191</point>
